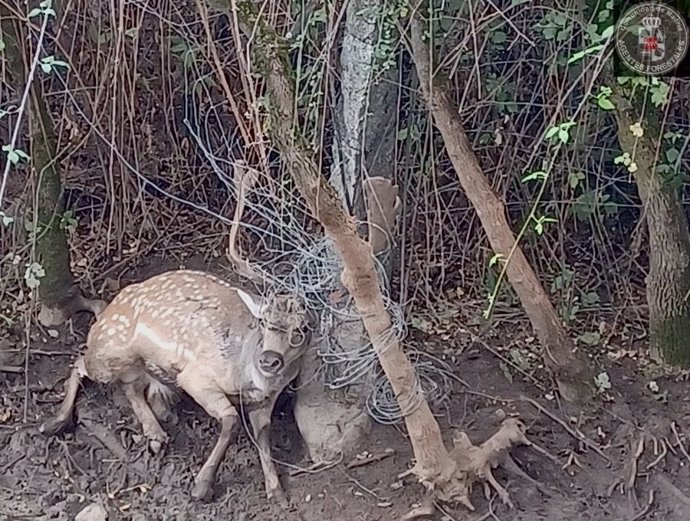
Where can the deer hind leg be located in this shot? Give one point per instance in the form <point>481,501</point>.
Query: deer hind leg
<point>260,420</point>
<point>64,415</point>
<point>217,405</point>
<point>160,397</point>
<point>134,391</point>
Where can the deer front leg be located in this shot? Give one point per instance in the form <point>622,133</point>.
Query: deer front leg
<point>134,391</point>
<point>63,417</point>
<point>217,405</point>
<point>261,425</point>
<point>207,475</point>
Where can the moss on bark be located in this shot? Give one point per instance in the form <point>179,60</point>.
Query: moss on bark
<point>56,285</point>
<point>51,242</point>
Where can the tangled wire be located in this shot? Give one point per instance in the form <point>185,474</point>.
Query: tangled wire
<point>307,265</point>
<point>302,263</point>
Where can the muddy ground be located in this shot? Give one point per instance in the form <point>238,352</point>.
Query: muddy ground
<point>592,479</point>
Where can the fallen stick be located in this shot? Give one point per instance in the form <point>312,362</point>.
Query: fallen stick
<point>373,459</point>
<point>575,434</point>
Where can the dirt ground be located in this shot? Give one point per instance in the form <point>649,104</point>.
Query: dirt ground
<point>623,457</point>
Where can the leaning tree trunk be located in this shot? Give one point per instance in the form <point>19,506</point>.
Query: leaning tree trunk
<point>58,294</point>
<point>571,371</point>
<point>434,466</point>
<point>449,475</point>
<point>668,282</point>
<point>333,423</point>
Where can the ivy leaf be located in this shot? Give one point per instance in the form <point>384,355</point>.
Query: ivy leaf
<point>33,275</point>
<point>660,94</point>
<point>637,130</point>
<point>672,155</point>
<point>6,219</point>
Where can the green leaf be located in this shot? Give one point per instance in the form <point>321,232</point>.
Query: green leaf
<point>6,219</point>
<point>574,179</point>
<point>551,132</point>
<point>35,12</point>
<point>549,33</point>
<point>493,260</point>
<point>539,228</point>
<point>33,275</point>
<point>499,37</point>
<point>591,298</point>
<point>605,104</point>
<point>590,339</point>
<point>660,94</point>
<point>563,135</point>
<point>581,54</point>
<point>672,155</point>
<point>532,176</point>
<point>563,34</point>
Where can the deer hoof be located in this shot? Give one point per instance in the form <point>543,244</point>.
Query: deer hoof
<point>278,496</point>
<point>202,490</point>
<point>54,425</point>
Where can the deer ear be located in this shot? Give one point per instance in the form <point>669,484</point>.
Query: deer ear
<point>255,304</point>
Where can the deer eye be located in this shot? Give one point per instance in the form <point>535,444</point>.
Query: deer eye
<point>298,337</point>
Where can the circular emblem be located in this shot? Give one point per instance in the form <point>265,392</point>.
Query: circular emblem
<point>651,38</point>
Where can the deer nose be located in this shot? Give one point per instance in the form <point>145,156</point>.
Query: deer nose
<point>271,362</point>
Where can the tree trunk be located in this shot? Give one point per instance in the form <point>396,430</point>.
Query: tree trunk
<point>59,296</point>
<point>668,281</point>
<point>333,423</point>
<point>57,286</point>
<point>434,466</point>
<point>572,373</point>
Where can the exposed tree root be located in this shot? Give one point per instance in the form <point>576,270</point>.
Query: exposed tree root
<point>474,463</point>
<point>74,302</point>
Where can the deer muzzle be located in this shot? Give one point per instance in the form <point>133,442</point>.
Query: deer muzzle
<point>271,362</point>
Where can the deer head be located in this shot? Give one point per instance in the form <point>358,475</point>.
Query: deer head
<point>287,328</point>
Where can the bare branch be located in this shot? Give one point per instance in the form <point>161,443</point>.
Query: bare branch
<point>244,179</point>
